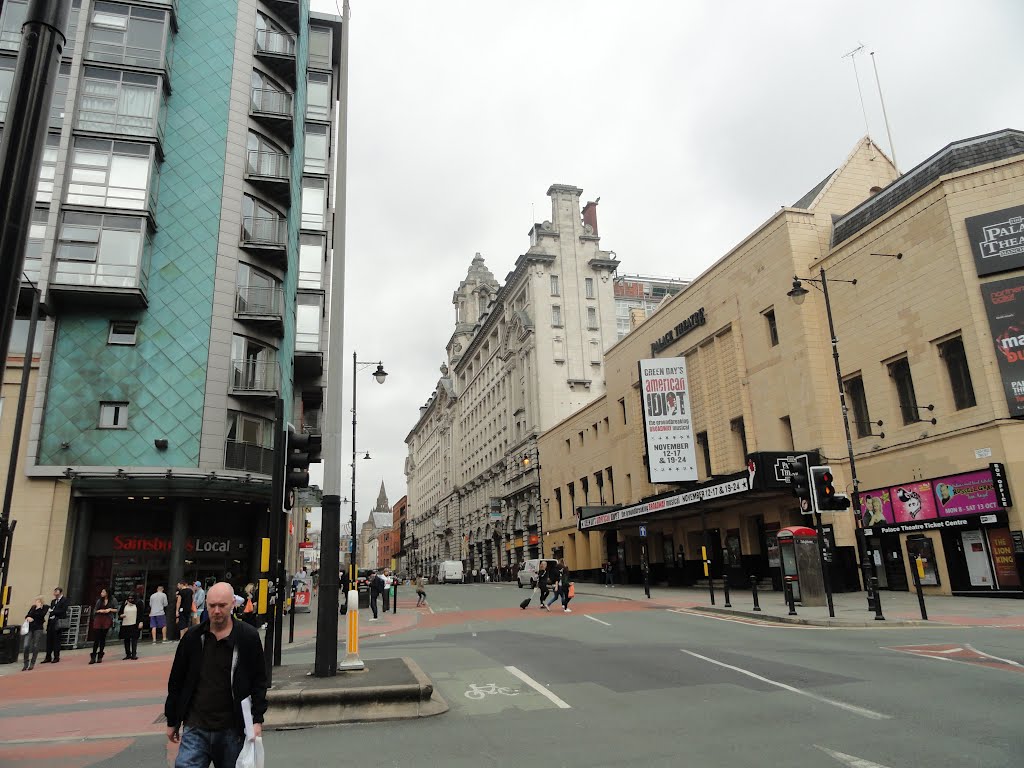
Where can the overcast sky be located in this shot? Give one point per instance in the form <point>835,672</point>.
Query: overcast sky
<point>692,121</point>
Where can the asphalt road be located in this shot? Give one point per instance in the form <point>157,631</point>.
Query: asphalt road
<point>618,682</point>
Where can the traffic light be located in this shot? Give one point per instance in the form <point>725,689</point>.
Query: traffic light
<point>825,496</point>
<point>301,450</point>
<point>800,483</point>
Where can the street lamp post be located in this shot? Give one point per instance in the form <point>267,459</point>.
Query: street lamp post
<point>798,294</point>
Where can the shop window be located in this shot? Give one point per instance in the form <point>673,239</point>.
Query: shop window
<point>899,372</point>
<point>122,332</point>
<point>773,328</point>
<point>858,405</point>
<point>114,415</point>
<point>953,355</point>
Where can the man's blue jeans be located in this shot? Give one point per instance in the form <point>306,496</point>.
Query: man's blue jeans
<point>198,748</point>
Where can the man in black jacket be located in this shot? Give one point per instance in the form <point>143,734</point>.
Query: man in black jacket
<point>376,588</point>
<point>218,664</point>
<point>58,612</point>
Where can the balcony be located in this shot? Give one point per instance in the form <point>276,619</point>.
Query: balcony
<point>309,364</point>
<point>277,51</point>
<point>248,457</point>
<point>287,10</point>
<point>260,306</point>
<point>271,172</point>
<point>267,236</point>
<point>120,283</point>
<point>254,378</point>
<point>273,108</point>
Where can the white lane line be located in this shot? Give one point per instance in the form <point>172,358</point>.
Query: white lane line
<point>850,760</point>
<point>597,620</point>
<point>989,655</point>
<point>759,623</point>
<point>538,687</point>
<point>868,713</point>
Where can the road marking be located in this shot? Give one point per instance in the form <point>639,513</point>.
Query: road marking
<point>751,622</point>
<point>478,692</point>
<point>868,713</point>
<point>850,760</point>
<point>538,687</point>
<point>597,620</point>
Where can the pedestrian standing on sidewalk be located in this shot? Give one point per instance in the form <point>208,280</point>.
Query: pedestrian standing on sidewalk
<point>158,614</point>
<point>102,620</point>
<point>217,665</point>
<point>199,600</point>
<point>183,607</point>
<point>564,583</point>
<point>35,617</point>
<point>54,628</point>
<point>386,592</point>
<point>376,586</point>
<point>609,578</point>
<point>542,583</point>
<point>131,627</point>
<point>421,591</point>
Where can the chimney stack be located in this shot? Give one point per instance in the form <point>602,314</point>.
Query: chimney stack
<point>590,214</point>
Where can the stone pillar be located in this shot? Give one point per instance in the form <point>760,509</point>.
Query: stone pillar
<point>82,514</point>
<point>176,566</point>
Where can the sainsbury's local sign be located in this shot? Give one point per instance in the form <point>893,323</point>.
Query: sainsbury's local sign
<point>193,545</point>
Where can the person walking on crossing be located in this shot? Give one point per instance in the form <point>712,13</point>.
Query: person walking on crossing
<point>421,591</point>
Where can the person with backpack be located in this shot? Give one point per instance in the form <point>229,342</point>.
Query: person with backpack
<point>376,588</point>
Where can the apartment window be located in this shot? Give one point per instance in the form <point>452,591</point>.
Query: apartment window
<point>253,364</point>
<point>739,432</point>
<point>250,443</point>
<point>76,10</point>
<point>258,292</point>
<point>705,451</point>
<point>60,96</point>
<point>952,353</point>
<point>592,318</point>
<point>320,47</point>
<point>111,173</point>
<point>113,415</point>
<point>102,250</point>
<point>317,148</point>
<point>773,328</point>
<point>558,501</point>
<point>11,20</point>
<point>114,101</point>
<point>899,372</point>
<point>268,95</point>
<point>122,332</point>
<point>34,246</point>
<point>312,250</point>
<point>272,38</point>
<point>131,35</point>
<point>18,343</point>
<point>318,96</point>
<point>857,402</point>
<point>589,285</point>
<point>308,317</point>
<point>314,203</point>
<point>44,187</point>
<point>263,157</point>
<point>556,316</point>
<point>554,285</point>
<point>261,223</point>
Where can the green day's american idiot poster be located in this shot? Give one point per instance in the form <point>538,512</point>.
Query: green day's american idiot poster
<point>668,427</point>
<point>1004,302</point>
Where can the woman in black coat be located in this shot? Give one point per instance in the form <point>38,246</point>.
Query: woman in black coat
<point>35,617</point>
<point>102,620</point>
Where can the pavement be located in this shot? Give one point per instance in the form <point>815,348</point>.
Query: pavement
<point>851,609</point>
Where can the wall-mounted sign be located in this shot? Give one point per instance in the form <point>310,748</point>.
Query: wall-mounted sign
<point>668,429</point>
<point>193,545</point>
<point>997,240</point>
<point>1004,302</point>
<point>769,470</point>
<point>1002,487</point>
<point>695,320</point>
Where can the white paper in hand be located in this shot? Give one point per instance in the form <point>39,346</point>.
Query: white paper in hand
<point>250,732</point>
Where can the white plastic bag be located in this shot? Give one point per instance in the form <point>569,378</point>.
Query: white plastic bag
<point>251,755</point>
<point>25,627</point>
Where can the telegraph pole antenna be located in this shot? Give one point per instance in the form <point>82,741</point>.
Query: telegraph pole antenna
<point>885,118</point>
<point>852,56</point>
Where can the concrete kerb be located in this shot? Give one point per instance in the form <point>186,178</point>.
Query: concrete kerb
<point>389,689</point>
<point>836,623</point>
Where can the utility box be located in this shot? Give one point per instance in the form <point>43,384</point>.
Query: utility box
<point>798,549</point>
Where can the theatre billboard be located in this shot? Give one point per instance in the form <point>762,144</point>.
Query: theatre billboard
<point>668,427</point>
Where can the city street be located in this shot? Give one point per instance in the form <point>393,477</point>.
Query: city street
<point>618,680</point>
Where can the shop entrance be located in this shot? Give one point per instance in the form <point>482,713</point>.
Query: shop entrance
<point>887,556</point>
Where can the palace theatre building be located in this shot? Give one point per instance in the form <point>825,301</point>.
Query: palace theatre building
<point>924,274</point>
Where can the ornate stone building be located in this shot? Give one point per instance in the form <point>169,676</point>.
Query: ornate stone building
<point>522,356</point>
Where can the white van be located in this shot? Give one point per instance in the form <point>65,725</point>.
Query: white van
<point>450,572</point>
<point>527,575</point>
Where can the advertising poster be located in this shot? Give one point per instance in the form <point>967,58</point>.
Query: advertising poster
<point>1000,542</point>
<point>978,569</point>
<point>967,494</point>
<point>668,429</point>
<point>876,508</point>
<point>997,240</point>
<point>1004,303</point>
<point>913,502</point>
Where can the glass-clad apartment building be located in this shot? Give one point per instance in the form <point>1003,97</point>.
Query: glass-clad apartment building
<point>181,245</point>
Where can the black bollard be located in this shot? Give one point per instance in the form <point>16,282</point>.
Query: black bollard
<point>917,568</point>
<point>878,599</point>
<point>789,596</point>
<point>725,586</point>
<point>291,619</point>
<point>394,596</point>
<point>753,591</point>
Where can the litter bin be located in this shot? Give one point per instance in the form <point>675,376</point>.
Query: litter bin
<point>10,639</point>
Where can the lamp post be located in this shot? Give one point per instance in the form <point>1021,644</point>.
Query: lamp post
<point>798,293</point>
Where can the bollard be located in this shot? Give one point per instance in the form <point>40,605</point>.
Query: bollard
<point>918,571</point>
<point>394,597</point>
<point>878,599</point>
<point>291,620</point>
<point>789,596</point>
<point>753,591</point>
<point>725,586</point>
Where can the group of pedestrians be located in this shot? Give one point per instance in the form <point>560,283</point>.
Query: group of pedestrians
<point>556,583</point>
<point>381,584</point>
<point>55,618</point>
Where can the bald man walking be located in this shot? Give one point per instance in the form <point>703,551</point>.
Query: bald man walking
<point>218,664</point>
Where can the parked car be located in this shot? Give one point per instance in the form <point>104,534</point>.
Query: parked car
<point>528,574</point>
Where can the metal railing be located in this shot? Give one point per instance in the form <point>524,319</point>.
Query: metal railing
<point>259,162</point>
<point>99,274</point>
<point>264,230</point>
<point>272,41</point>
<point>268,101</point>
<point>258,300</point>
<point>248,457</point>
<point>250,375</point>
<point>131,55</point>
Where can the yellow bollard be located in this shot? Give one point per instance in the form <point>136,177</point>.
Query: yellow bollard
<point>352,661</point>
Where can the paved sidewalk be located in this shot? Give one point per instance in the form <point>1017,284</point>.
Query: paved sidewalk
<point>850,607</point>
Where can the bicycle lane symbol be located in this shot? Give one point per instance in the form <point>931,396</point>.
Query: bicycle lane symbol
<point>480,692</point>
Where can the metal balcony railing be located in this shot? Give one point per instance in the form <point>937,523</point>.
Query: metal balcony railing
<point>272,41</point>
<point>264,230</point>
<point>248,457</point>
<point>267,101</point>
<point>258,300</point>
<point>274,165</point>
<point>251,375</point>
